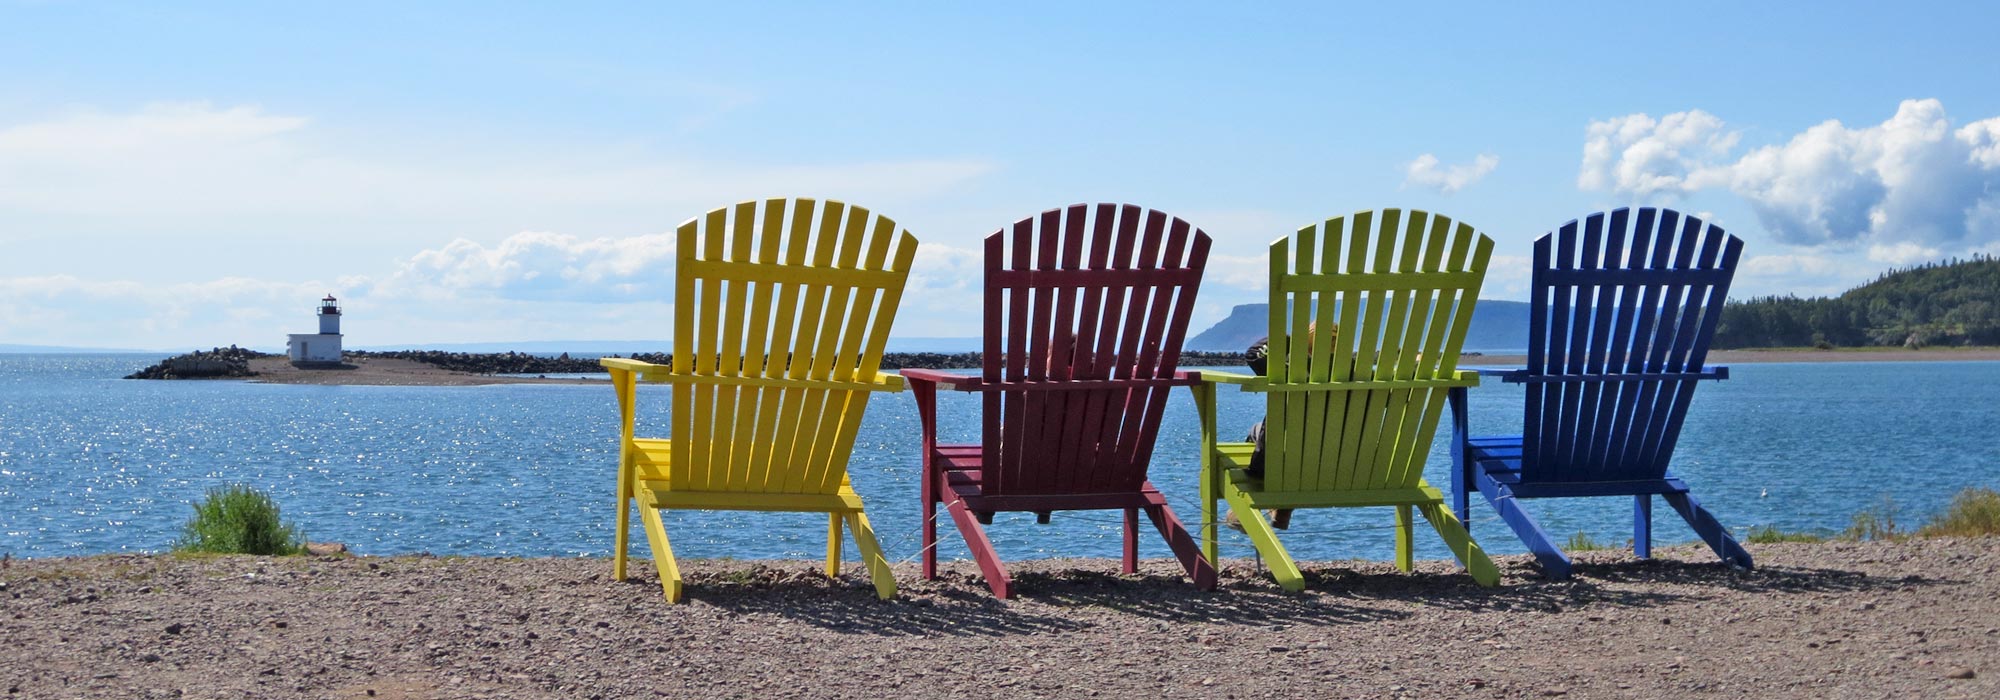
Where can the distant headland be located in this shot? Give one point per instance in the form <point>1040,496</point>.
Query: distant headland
<point>440,368</point>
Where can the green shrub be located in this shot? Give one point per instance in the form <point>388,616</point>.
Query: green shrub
<point>1581,542</point>
<point>1768,534</point>
<point>1875,523</point>
<point>238,519</point>
<point>1974,512</point>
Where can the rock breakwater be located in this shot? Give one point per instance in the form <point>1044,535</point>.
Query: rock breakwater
<point>219,363</point>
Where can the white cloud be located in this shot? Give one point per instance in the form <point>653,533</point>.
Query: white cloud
<point>1508,277</point>
<point>1983,137</point>
<point>66,310</point>
<point>530,286</point>
<point>1802,274</point>
<point>1425,172</point>
<point>244,170</point>
<point>1639,155</point>
<point>537,265</point>
<point>1248,273</point>
<point>1774,265</point>
<point>945,293</point>
<point>1902,253</point>
<point>1908,186</point>
<point>157,125</point>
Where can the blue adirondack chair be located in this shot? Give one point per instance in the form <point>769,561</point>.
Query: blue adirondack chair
<point>1623,310</point>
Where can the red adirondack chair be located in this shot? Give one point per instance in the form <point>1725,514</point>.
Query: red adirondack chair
<point>1080,354</point>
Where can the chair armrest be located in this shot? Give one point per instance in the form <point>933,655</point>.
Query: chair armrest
<point>1522,376</point>
<point>890,382</point>
<point>665,374</point>
<point>953,382</point>
<point>960,382</point>
<point>626,364</point>
<point>1246,382</point>
<point>1502,372</point>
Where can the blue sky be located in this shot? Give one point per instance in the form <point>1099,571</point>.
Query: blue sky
<point>194,174</point>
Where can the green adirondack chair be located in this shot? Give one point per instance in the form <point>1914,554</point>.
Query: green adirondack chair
<point>1364,345</point>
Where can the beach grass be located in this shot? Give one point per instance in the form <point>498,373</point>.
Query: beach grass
<point>1876,522</point>
<point>1769,534</point>
<point>1974,512</point>
<point>239,519</point>
<point>1582,542</point>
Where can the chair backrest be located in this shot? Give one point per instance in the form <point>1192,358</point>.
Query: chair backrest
<point>1368,316</point>
<point>1086,310</point>
<point>1619,295</point>
<point>794,289</point>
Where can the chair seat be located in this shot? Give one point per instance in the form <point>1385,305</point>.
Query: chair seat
<point>651,457</point>
<point>1253,488</point>
<point>1498,459</point>
<point>656,494</point>
<point>962,465</point>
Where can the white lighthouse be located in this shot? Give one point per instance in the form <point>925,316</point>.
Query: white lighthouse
<point>322,348</point>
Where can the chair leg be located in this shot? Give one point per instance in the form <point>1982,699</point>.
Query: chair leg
<point>833,546</point>
<point>1211,471</point>
<point>1709,529</point>
<point>1554,563</point>
<point>1406,558</point>
<point>930,514</point>
<point>1131,562</point>
<point>1183,545</point>
<point>1209,520</point>
<point>1461,502</point>
<point>1642,526</point>
<point>982,548</point>
<point>1468,551</point>
<point>1282,567</point>
<point>1461,458</point>
<point>623,540</point>
<point>871,554</point>
<point>663,553</point>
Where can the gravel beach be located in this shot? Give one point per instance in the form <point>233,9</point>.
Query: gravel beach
<point>1834,620</point>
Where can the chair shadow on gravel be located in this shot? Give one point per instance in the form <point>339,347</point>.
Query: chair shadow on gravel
<point>1173,599</point>
<point>854,609</point>
<point>1455,591</point>
<point>958,604</point>
<point>1763,579</point>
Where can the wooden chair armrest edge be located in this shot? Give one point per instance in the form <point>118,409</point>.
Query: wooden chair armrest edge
<point>1246,382</point>
<point>944,380</point>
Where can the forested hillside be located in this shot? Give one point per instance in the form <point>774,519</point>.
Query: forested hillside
<point>1948,303</point>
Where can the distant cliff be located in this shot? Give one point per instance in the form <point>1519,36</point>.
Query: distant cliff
<point>1497,327</point>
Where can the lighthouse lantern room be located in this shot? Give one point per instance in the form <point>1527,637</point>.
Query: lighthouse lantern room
<point>322,348</point>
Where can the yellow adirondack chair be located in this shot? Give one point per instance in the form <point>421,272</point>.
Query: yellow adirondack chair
<point>1363,349</point>
<point>780,316</point>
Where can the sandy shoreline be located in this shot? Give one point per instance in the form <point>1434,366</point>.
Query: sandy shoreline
<point>1834,620</point>
<point>382,371</point>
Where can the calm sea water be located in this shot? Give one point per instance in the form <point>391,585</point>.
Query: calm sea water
<point>90,463</point>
